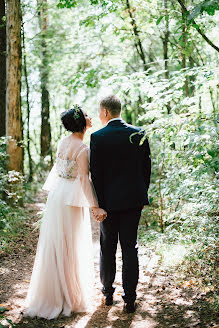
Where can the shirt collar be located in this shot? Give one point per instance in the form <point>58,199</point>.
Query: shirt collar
<point>115,119</point>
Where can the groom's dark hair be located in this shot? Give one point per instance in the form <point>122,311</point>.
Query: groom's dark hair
<point>112,103</point>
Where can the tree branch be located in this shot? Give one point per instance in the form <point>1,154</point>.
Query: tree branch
<point>197,28</point>
<point>137,40</point>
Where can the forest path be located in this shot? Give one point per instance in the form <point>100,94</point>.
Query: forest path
<point>161,302</point>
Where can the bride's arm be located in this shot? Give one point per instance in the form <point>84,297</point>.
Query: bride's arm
<point>83,171</point>
<point>82,160</point>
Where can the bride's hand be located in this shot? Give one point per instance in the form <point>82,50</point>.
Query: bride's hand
<point>99,214</point>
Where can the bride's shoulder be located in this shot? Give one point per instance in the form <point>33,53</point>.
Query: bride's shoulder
<point>80,149</point>
<point>83,147</point>
<point>62,139</point>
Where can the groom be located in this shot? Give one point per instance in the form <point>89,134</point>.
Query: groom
<point>120,171</point>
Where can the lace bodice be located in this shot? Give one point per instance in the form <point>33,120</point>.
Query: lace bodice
<point>70,175</point>
<point>65,168</point>
<point>68,168</point>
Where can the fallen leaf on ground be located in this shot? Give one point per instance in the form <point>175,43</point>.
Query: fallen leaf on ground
<point>4,307</point>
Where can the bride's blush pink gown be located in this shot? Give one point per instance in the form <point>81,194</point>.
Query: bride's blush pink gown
<point>62,277</point>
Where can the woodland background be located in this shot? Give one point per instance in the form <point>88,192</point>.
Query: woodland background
<point>161,58</point>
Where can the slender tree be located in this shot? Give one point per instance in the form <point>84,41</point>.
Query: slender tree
<point>165,40</point>
<point>13,91</point>
<point>28,105</point>
<point>184,9</point>
<point>44,75</point>
<point>183,48</point>
<point>2,69</point>
<point>137,39</point>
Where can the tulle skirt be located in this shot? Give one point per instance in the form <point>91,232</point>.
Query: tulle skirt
<point>62,277</point>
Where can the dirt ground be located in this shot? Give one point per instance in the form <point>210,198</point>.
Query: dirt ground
<point>161,302</point>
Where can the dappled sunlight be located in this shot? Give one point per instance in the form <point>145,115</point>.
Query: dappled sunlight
<point>173,255</point>
<point>4,271</point>
<point>160,58</point>
<point>161,301</point>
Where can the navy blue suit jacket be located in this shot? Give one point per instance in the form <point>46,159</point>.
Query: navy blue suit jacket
<point>120,167</point>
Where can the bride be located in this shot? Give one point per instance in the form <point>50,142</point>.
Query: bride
<point>62,275</point>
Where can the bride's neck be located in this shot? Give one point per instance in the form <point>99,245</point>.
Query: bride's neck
<point>78,135</point>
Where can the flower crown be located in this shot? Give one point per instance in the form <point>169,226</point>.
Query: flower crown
<point>77,112</point>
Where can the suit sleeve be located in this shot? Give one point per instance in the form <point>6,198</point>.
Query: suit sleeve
<point>96,169</point>
<point>147,162</point>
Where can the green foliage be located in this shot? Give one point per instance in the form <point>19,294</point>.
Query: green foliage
<point>67,3</point>
<point>72,3</point>
<point>184,142</point>
<point>12,325</point>
<point>159,20</point>
<point>11,215</point>
<point>13,188</point>
<point>3,162</point>
<point>94,50</point>
<point>205,6</point>
<point>184,192</point>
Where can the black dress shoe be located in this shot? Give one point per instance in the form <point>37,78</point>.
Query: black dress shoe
<point>109,300</point>
<point>130,307</point>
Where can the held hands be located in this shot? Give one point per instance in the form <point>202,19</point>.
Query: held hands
<point>99,214</point>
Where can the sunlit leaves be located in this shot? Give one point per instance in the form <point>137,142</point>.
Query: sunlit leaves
<point>159,20</point>
<point>67,3</point>
<point>205,6</point>
<point>184,140</point>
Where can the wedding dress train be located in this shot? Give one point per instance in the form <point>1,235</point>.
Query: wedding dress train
<point>62,275</point>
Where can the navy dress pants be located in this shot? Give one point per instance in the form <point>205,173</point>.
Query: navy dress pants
<point>123,226</point>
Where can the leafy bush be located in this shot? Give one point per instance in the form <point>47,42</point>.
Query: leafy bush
<point>11,186</point>
<point>183,136</point>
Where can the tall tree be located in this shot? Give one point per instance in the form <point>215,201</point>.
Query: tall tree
<point>184,9</point>
<point>165,40</point>
<point>137,39</point>
<point>44,76</point>
<point>30,178</point>
<point>13,90</point>
<point>183,43</point>
<point>2,69</point>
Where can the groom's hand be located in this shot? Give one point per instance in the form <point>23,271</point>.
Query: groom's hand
<point>99,214</point>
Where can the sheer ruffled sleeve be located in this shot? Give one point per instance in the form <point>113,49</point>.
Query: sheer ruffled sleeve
<point>52,176</point>
<point>51,179</point>
<point>82,160</point>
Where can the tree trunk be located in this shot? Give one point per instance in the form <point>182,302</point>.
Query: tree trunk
<point>30,178</point>
<point>44,75</point>
<point>165,47</point>
<point>184,39</point>
<point>181,2</point>
<point>2,70</point>
<point>165,42</point>
<point>137,39</point>
<point>13,91</point>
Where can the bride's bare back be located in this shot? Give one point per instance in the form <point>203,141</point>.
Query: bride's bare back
<point>68,147</point>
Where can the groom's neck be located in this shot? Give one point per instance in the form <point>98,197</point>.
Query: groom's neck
<point>112,117</point>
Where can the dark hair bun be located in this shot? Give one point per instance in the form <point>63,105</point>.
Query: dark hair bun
<point>73,119</point>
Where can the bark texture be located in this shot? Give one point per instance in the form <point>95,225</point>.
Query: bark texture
<point>44,73</point>
<point>13,91</point>
<point>2,69</point>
